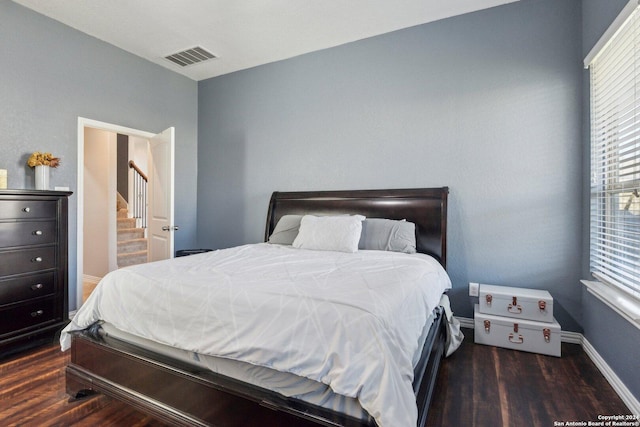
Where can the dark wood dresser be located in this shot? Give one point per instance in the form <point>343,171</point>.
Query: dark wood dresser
<point>33,267</point>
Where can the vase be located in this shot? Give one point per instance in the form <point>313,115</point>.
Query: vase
<point>42,177</point>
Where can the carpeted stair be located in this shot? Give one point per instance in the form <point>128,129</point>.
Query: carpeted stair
<point>132,244</point>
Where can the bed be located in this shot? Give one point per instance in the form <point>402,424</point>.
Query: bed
<point>132,342</point>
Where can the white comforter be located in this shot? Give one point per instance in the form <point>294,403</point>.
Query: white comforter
<point>352,321</point>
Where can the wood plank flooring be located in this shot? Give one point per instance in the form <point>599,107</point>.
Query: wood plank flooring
<point>477,386</point>
<point>32,393</point>
<point>487,386</point>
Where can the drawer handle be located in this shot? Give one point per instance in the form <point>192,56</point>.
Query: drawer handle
<point>546,332</point>
<point>37,286</point>
<point>37,233</point>
<point>37,259</point>
<point>27,209</point>
<point>37,313</point>
<point>519,341</point>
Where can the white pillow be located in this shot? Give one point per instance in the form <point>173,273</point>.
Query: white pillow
<point>329,233</point>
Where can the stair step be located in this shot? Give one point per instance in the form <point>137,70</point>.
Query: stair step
<point>126,223</point>
<point>130,234</point>
<point>133,245</point>
<point>121,204</point>
<point>123,213</point>
<point>132,258</point>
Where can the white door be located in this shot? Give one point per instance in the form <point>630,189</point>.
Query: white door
<point>161,195</point>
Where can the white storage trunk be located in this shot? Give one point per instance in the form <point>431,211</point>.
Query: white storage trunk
<point>525,335</point>
<point>520,303</point>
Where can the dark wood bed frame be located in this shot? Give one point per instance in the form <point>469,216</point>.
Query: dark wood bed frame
<point>181,394</point>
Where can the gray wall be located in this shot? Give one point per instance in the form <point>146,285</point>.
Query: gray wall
<point>613,337</point>
<point>487,103</point>
<point>50,74</point>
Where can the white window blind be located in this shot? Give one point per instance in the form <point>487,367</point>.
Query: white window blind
<point>615,155</point>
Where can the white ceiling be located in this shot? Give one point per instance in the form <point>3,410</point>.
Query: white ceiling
<point>243,34</point>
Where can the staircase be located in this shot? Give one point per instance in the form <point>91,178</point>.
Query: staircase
<point>132,243</point>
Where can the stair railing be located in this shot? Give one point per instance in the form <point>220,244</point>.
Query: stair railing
<point>139,208</point>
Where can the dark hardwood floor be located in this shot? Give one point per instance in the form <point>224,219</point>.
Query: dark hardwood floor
<point>32,393</point>
<point>477,386</point>
<point>488,386</point>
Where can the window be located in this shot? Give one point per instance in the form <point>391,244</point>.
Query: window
<point>614,66</point>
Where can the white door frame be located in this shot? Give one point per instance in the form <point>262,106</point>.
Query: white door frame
<point>89,123</point>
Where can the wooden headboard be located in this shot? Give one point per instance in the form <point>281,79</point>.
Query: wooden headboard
<point>425,207</point>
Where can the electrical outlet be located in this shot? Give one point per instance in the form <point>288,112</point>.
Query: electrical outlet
<point>474,289</point>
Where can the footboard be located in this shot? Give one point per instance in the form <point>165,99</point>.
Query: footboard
<point>181,394</point>
<point>176,393</point>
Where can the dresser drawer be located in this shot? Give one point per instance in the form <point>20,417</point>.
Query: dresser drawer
<point>27,233</point>
<point>28,209</point>
<point>27,287</point>
<point>27,260</point>
<point>27,315</point>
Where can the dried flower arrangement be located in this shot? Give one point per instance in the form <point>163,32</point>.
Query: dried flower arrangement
<point>43,159</point>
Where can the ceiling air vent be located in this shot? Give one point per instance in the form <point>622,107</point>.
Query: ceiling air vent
<point>190,56</point>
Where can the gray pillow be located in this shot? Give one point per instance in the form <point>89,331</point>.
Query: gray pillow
<point>286,230</point>
<point>377,234</point>
<point>388,235</point>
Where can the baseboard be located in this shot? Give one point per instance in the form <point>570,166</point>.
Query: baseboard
<point>577,338</point>
<point>465,322</point>
<point>625,394</point>
<point>571,337</point>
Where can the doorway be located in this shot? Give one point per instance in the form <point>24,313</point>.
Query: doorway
<point>97,192</point>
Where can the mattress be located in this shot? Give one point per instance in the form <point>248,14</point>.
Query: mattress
<point>351,321</point>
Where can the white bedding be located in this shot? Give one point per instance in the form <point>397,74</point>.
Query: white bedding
<point>350,320</point>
